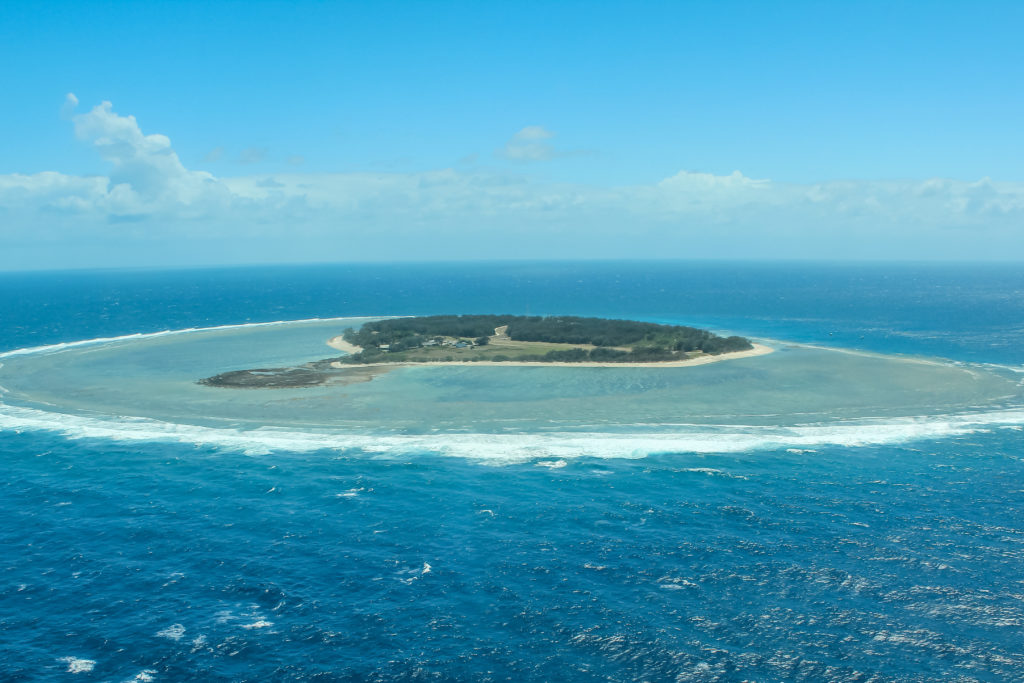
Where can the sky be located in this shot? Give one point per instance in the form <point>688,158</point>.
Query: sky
<point>202,133</point>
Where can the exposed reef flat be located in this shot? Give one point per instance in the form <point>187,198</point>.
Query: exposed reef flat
<point>319,373</point>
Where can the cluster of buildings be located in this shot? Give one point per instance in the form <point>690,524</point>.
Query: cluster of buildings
<point>438,341</point>
<point>458,344</point>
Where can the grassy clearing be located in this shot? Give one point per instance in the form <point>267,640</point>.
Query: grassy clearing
<point>512,349</point>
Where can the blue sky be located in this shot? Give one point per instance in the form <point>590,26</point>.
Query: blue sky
<point>478,130</point>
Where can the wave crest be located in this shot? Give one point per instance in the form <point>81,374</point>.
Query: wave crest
<point>512,448</point>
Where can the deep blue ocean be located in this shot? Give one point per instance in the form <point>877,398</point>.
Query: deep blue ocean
<point>171,561</point>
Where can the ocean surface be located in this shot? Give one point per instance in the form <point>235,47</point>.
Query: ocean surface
<point>847,508</point>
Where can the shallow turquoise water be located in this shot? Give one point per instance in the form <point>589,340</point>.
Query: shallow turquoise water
<point>811,395</point>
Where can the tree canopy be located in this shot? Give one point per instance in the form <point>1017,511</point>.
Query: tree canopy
<point>615,340</point>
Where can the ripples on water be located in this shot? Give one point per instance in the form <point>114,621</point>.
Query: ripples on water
<point>771,566</point>
<point>178,561</point>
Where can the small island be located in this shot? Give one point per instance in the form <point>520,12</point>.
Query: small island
<point>381,345</point>
<point>535,339</point>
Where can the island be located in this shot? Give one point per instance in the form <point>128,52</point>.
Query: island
<point>510,340</point>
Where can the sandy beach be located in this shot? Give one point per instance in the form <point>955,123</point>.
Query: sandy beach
<point>342,345</point>
<point>758,350</point>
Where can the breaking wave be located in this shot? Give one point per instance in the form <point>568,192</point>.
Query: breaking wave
<point>513,448</point>
<point>49,348</point>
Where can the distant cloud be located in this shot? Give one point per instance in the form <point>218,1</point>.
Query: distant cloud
<point>529,144</point>
<point>296,160</point>
<point>214,155</point>
<point>68,108</point>
<point>533,133</point>
<point>252,155</point>
<point>149,195</point>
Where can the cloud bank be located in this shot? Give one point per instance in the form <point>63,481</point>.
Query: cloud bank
<point>150,208</point>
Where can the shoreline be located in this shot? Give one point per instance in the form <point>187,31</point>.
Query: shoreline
<point>339,343</point>
<point>758,350</point>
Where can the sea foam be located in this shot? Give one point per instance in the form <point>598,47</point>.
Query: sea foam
<point>513,448</point>
<point>173,632</point>
<point>78,665</point>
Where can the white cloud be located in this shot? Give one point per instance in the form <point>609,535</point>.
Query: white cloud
<point>528,145</point>
<point>150,195</point>
<point>147,174</point>
<point>68,108</point>
<point>532,133</point>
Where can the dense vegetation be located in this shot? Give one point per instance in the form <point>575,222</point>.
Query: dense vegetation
<point>409,333</point>
<point>615,340</point>
<point>603,332</point>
